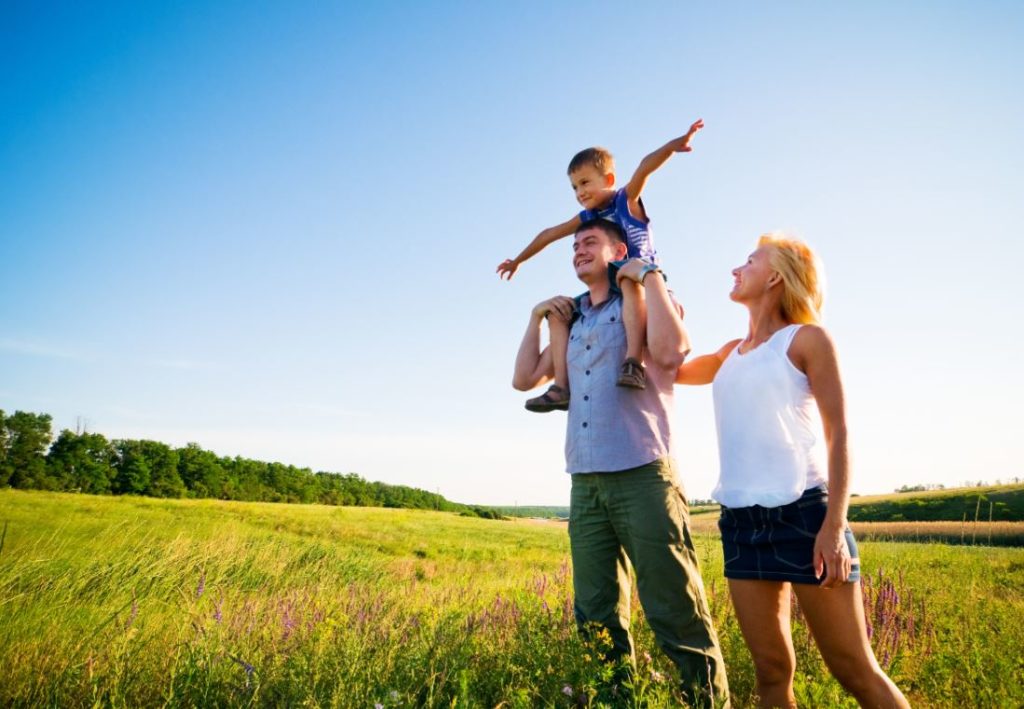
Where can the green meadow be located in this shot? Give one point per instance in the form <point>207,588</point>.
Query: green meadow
<point>125,601</point>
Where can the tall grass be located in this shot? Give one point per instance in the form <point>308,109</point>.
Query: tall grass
<point>1002,534</point>
<point>131,601</point>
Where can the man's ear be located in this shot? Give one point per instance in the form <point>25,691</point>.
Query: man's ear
<point>621,251</point>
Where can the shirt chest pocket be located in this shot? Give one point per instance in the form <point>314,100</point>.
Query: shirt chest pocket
<point>604,341</point>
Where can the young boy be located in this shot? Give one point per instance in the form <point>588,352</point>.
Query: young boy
<point>592,175</point>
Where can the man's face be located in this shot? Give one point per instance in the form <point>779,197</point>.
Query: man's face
<point>592,251</point>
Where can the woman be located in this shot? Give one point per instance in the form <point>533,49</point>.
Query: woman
<point>783,517</point>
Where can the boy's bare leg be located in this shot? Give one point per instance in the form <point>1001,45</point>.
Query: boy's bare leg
<point>556,398</point>
<point>634,318</point>
<point>558,330</point>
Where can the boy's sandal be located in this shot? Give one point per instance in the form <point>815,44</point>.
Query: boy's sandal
<point>554,399</point>
<point>632,375</point>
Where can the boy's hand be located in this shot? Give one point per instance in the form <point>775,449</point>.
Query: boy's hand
<point>561,306</point>
<point>682,144</point>
<point>654,161</point>
<point>507,268</point>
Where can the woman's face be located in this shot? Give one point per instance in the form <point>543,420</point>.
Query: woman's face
<point>753,278</point>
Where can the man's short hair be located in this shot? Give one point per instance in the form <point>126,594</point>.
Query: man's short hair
<point>600,158</point>
<point>613,230</point>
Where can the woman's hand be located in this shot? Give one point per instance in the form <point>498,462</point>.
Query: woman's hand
<point>831,555</point>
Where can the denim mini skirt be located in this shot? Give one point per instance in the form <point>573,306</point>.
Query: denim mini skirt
<point>777,543</point>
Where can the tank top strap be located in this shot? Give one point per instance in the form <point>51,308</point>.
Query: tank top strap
<point>784,338</point>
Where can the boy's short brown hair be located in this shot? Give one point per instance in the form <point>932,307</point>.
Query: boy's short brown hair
<point>600,158</point>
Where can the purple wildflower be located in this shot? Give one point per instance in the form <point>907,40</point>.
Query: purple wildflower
<point>563,572</point>
<point>288,622</point>
<point>567,690</point>
<point>202,585</point>
<point>132,614</point>
<point>249,669</point>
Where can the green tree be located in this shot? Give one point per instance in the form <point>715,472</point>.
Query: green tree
<point>4,475</point>
<point>82,462</point>
<point>90,463</point>
<point>164,480</point>
<point>147,468</point>
<point>26,438</point>
<point>131,468</point>
<point>201,472</point>
<point>247,479</point>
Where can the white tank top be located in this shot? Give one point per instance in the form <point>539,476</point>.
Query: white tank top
<point>766,419</point>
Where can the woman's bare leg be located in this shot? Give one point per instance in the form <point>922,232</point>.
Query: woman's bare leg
<point>836,619</point>
<point>762,608</point>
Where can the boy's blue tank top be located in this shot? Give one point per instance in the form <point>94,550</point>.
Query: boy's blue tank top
<point>639,242</point>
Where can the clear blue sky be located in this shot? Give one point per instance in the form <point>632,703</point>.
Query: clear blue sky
<point>272,228</point>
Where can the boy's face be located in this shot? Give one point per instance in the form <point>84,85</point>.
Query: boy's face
<point>591,187</point>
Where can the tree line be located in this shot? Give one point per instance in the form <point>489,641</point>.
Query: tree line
<point>80,461</point>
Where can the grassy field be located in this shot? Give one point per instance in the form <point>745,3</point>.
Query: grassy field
<point>142,602</point>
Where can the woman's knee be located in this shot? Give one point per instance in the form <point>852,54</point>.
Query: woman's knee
<point>774,668</point>
<point>857,674</point>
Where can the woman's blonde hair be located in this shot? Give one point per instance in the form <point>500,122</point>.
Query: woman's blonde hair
<point>803,280</point>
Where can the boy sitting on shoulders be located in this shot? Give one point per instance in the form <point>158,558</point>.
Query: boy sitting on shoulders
<point>592,175</point>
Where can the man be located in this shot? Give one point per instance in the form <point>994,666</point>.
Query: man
<point>626,504</point>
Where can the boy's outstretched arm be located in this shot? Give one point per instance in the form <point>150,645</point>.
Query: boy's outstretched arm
<point>507,268</point>
<point>655,160</point>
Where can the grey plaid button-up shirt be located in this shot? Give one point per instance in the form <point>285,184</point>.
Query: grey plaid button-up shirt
<point>612,428</point>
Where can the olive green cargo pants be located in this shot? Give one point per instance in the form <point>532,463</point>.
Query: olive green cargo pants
<point>640,516</point>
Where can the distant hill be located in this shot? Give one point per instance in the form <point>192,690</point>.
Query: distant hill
<point>534,511</point>
<point>560,512</point>
<point>1004,502</point>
